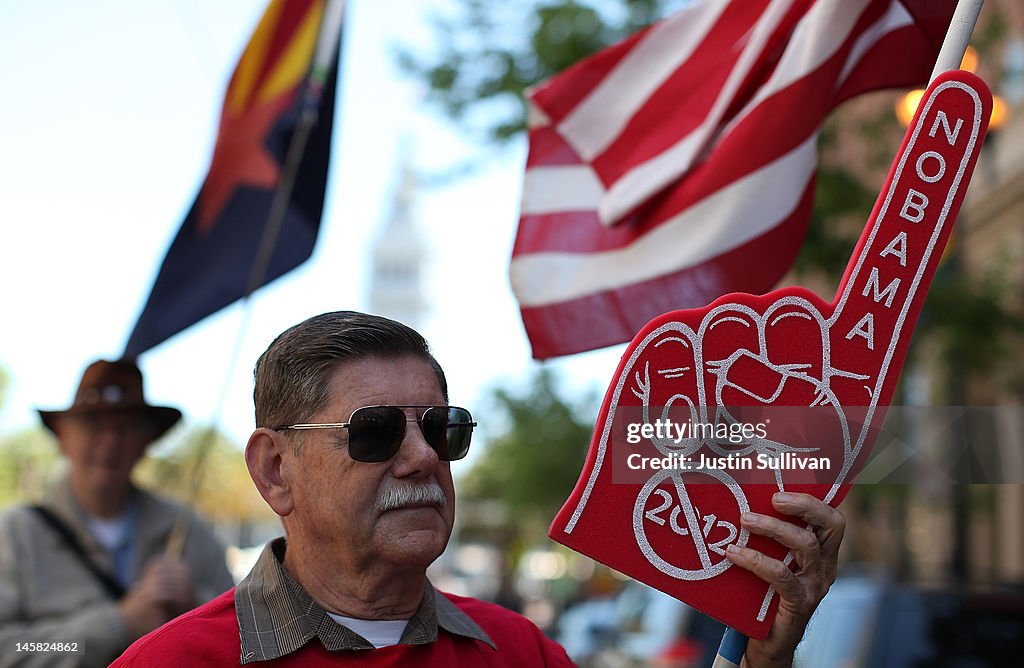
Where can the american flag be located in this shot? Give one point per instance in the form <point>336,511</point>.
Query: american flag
<point>679,165</point>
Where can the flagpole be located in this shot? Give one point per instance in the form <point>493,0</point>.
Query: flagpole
<point>954,46</point>
<point>327,45</point>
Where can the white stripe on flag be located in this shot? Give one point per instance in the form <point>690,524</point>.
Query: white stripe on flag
<point>535,116</point>
<point>599,118</point>
<point>560,188</point>
<point>707,229</point>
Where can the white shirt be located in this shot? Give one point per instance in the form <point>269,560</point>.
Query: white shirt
<point>378,632</point>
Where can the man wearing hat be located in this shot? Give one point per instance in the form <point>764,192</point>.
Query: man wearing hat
<point>84,574</point>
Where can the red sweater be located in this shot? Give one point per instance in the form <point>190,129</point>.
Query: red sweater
<point>208,636</point>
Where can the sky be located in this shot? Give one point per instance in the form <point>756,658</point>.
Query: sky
<point>109,116</point>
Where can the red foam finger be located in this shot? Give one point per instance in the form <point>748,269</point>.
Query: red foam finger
<point>783,379</point>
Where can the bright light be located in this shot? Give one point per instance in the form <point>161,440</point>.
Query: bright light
<point>970,60</point>
<point>907,105</point>
<point>545,565</point>
<point>1000,112</point>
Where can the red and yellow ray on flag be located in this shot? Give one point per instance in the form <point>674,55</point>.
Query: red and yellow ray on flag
<point>264,85</point>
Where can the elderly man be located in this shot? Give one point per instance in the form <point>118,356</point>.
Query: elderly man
<point>352,449</point>
<point>83,574</point>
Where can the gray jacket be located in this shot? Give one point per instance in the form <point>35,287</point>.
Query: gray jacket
<point>48,596</point>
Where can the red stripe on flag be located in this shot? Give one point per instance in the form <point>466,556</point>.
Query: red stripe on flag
<point>289,17</point>
<point>608,317</point>
<point>914,49</point>
<point>548,148</point>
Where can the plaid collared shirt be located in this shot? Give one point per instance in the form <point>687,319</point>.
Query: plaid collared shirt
<point>276,616</point>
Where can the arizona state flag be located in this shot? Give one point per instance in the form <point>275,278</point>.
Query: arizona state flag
<point>211,262</point>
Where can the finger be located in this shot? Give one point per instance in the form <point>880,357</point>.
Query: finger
<point>802,542</point>
<point>830,523</point>
<point>158,565</point>
<point>670,373</point>
<point>772,571</point>
<point>900,248</point>
<point>732,351</point>
<point>786,322</point>
<point>726,329</point>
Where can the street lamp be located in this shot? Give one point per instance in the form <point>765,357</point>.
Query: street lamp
<point>907,104</point>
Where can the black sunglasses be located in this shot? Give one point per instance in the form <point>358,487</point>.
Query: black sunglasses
<point>375,433</point>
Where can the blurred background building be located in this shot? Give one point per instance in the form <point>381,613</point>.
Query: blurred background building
<point>400,253</point>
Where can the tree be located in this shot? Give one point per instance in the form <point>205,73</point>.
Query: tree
<point>492,51</point>
<point>29,464</point>
<point>532,464</point>
<point>203,456</point>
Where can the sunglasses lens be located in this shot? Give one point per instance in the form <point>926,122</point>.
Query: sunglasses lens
<point>449,431</point>
<point>375,433</point>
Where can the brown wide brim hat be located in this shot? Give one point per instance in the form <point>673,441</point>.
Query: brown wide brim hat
<point>107,387</point>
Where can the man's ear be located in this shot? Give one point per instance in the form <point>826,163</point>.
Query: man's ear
<point>265,456</point>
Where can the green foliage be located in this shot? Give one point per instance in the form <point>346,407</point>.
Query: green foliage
<point>491,52</point>
<point>207,459</point>
<point>29,463</point>
<point>532,465</point>
<point>968,319</point>
<point>826,247</point>
<point>3,387</point>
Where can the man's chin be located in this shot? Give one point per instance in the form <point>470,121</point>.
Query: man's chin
<point>108,478</point>
<point>417,549</point>
<point>419,534</point>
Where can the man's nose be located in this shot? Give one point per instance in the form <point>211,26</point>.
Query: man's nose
<point>415,456</point>
<point>115,428</point>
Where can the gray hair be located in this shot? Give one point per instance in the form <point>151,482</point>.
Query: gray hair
<point>293,375</point>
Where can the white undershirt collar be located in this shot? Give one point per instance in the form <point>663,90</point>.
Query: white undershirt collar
<point>378,632</point>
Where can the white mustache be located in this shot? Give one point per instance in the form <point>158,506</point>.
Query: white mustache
<point>402,496</point>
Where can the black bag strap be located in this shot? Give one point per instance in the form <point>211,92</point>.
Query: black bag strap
<point>110,585</point>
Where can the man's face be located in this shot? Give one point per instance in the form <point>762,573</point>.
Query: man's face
<point>337,514</point>
<point>103,448</point>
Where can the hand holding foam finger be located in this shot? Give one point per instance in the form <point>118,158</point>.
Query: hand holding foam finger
<point>815,546</point>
